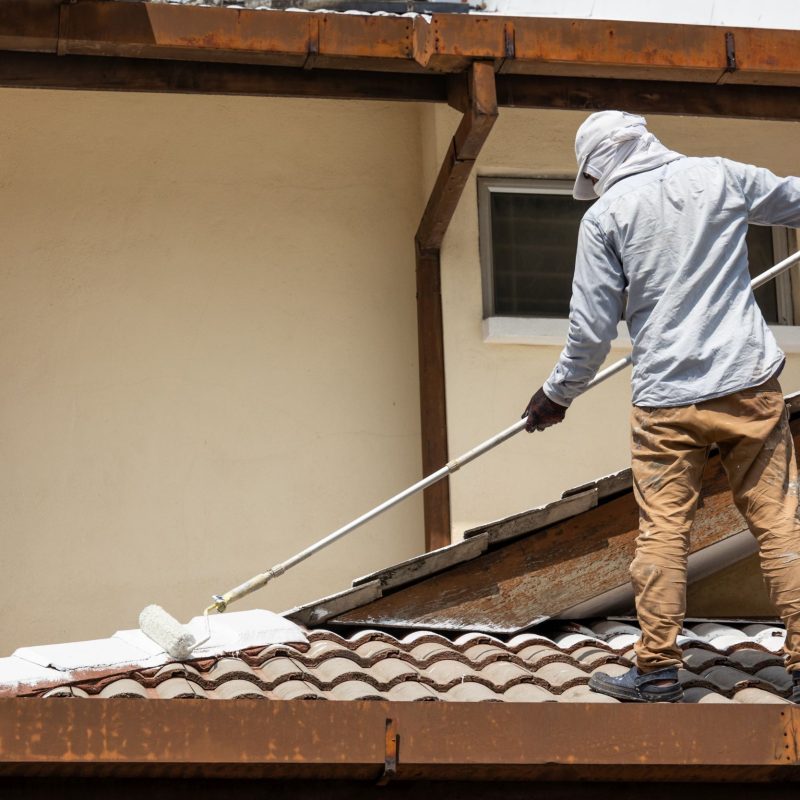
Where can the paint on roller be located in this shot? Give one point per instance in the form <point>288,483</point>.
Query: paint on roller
<point>167,632</point>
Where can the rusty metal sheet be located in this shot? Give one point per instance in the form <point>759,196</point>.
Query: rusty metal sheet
<point>645,96</point>
<point>471,741</point>
<point>428,564</point>
<point>450,42</point>
<point>613,49</point>
<point>322,610</point>
<point>162,30</point>
<point>364,36</point>
<point>562,565</point>
<point>29,25</point>
<point>529,521</point>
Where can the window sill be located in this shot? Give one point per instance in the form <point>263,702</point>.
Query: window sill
<point>553,333</point>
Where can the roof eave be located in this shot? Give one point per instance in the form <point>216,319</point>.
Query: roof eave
<point>466,741</point>
<point>443,43</point>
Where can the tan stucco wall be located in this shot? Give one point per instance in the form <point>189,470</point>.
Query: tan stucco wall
<point>207,350</point>
<point>488,385</point>
<point>208,345</point>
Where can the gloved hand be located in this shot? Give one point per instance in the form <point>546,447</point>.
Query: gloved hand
<point>542,412</point>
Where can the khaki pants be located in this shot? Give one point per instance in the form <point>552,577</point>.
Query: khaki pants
<point>669,449</point>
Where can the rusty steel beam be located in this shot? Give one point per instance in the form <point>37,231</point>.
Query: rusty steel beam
<point>442,43</point>
<point>649,97</point>
<point>377,740</point>
<point>514,586</point>
<point>46,71</point>
<point>480,114</point>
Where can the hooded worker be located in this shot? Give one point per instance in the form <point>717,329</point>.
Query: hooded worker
<point>665,242</point>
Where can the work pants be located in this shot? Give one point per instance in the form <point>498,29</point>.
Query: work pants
<point>669,447</point>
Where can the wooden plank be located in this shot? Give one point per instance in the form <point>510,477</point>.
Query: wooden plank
<point>428,564</point>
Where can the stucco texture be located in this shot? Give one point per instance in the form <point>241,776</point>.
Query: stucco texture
<point>207,348</point>
<point>488,385</point>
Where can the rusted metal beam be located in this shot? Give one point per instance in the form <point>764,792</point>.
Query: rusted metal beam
<point>536,577</point>
<point>356,740</point>
<point>442,43</point>
<point>479,117</point>
<point>46,71</point>
<point>645,96</point>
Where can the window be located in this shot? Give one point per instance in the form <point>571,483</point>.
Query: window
<point>528,237</point>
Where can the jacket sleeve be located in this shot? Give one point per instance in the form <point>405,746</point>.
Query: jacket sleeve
<point>595,309</point>
<point>770,200</point>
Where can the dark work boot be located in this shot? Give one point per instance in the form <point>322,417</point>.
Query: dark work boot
<point>640,687</point>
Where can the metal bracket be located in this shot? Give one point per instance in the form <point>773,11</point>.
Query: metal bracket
<point>390,758</point>
<point>313,44</point>
<point>730,52</point>
<point>63,28</point>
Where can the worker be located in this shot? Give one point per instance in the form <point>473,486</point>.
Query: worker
<point>664,243</point>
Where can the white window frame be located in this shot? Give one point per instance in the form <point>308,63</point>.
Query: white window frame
<point>550,331</point>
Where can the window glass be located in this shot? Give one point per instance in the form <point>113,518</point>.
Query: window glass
<point>761,257</point>
<point>533,240</point>
<point>533,252</point>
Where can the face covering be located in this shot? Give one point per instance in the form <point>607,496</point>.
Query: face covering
<point>625,152</point>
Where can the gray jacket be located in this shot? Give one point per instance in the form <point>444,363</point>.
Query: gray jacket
<point>673,239</point>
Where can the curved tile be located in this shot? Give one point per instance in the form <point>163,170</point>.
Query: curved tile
<point>776,676</point>
<point>295,690</point>
<point>180,688</point>
<point>125,687</point>
<point>448,672</point>
<point>698,658</point>
<point>238,690</point>
<point>354,690</point>
<point>751,660</point>
<point>701,694</point>
<point>278,670</point>
<point>535,655</point>
<point>583,694</point>
<point>727,679</point>
<point>471,692</point>
<point>528,693</point>
<point>561,676</point>
<point>412,691</point>
<point>753,694</point>
<point>66,691</point>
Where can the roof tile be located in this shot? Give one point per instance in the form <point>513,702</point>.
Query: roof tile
<point>723,664</point>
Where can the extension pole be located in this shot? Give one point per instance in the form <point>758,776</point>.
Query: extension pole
<point>221,601</point>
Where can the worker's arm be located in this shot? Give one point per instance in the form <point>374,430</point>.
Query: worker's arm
<point>595,310</point>
<point>770,200</point>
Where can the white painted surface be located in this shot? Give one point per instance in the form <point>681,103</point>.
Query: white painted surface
<point>131,649</point>
<point>729,13</point>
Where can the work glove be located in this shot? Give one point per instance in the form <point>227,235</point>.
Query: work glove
<point>542,412</point>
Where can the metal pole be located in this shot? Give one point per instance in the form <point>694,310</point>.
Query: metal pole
<point>256,582</point>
